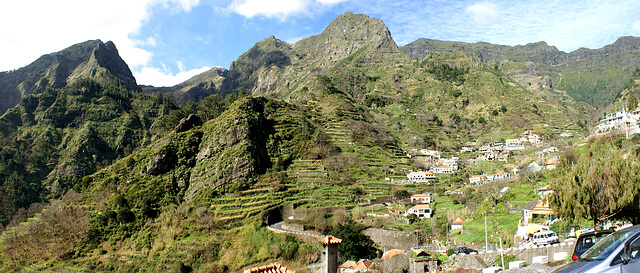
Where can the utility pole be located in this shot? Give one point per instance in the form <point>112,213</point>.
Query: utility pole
<point>486,239</point>
<point>501,256</point>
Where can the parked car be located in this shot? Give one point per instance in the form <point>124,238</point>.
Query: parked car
<point>619,252</point>
<point>572,232</point>
<point>587,240</point>
<point>465,250</point>
<point>545,237</point>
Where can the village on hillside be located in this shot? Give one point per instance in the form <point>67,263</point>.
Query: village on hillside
<point>436,195</point>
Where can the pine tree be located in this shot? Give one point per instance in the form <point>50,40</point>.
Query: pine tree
<point>601,185</point>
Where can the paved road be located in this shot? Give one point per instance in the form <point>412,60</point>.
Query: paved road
<point>277,227</point>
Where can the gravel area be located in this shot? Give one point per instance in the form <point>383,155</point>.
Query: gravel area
<point>533,268</point>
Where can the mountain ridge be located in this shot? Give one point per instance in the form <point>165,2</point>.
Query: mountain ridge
<point>89,59</point>
<point>594,76</point>
<point>296,129</point>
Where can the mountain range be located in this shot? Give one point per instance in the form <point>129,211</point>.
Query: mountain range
<point>163,177</point>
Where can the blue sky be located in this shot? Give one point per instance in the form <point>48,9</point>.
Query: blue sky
<point>167,41</point>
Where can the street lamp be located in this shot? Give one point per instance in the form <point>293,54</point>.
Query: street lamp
<point>501,256</point>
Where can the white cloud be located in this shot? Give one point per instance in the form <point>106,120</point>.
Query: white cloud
<point>482,13</point>
<point>272,8</point>
<point>330,2</point>
<point>281,9</point>
<point>636,28</point>
<point>163,77</point>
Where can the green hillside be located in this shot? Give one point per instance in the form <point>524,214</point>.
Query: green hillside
<point>96,176</point>
<point>54,138</point>
<point>593,76</point>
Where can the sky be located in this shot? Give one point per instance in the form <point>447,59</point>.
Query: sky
<point>166,42</point>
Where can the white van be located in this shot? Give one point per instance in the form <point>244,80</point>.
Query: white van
<point>545,237</point>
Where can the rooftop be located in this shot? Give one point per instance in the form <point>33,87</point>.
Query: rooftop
<point>458,221</point>
<point>330,240</point>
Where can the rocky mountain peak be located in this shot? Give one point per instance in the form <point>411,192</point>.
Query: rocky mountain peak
<point>91,59</point>
<point>347,34</point>
<point>626,43</point>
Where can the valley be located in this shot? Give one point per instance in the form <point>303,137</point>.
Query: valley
<point>342,133</point>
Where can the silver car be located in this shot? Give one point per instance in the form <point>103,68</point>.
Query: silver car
<point>618,252</point>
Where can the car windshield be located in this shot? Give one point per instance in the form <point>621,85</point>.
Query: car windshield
<point>587,242</point>
<point>604,247</point>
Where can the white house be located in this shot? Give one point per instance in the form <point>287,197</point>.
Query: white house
<point>421,176</point>
<point>457,223</point>
<point>544,191</point>
<point>421,198</point>
<point>551,164</point>
<point>422,211</point>
<point>490,157</point>
<point>534,167</point>
<point>431,153</point>
<point>526,210</point>
<point>499,176</point>
<point>566,135</point>
<point>512,142</point>
<point>475,179</point>
<point>484,149</point>
<point>519,147</point>
<point>620,120</point>
<point>452,162</point>
<point>534,139</point>
<point>443,169</point>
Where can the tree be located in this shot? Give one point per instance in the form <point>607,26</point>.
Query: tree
<point>601,185</point>
<point>355,244</point>
<point>529,174</point>
<point>210,107</point>
<point>399,192</point>
<point>632,103</point>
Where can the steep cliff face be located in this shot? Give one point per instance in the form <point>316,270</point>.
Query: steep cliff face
<point>233,150</point>
<point>91,59</point>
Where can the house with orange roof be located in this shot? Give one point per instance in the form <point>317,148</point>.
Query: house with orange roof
<point>431,153</point>
<point>421,198</point>
<point>421,176</point>
<point>475,179</point>
<point>457,223</point>
<point>454,192</point>
<point>550,164</point>
<point>422,211</point>
<point>500,176</point>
